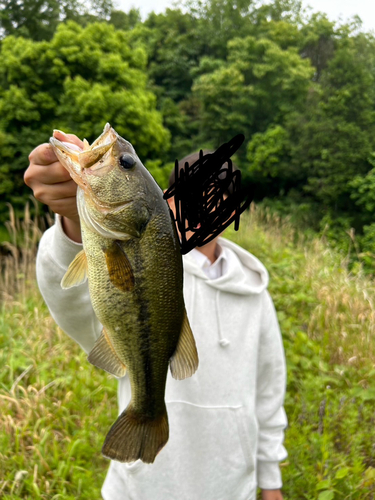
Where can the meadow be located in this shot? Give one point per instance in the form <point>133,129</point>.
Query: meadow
<point>55,408</point>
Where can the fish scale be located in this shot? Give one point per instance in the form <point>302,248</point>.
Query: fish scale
<point>132,260</point>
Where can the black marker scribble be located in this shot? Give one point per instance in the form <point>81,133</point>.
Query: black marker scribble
<point>199,194</point>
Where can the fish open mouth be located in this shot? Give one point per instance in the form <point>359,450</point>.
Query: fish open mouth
<point>90,159</point>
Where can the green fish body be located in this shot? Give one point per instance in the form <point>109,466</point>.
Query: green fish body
<point>132,259</point>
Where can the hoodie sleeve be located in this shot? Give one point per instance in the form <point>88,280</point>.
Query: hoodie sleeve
<point>71,309</point>
<point>271,382</point>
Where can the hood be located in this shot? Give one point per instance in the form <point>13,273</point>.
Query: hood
<point>244,275</point>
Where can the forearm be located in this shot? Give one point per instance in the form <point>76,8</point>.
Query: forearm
<point>71,309</point>
<point>72,229</point>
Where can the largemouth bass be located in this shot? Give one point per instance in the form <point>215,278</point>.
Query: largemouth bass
<point>131,257</point>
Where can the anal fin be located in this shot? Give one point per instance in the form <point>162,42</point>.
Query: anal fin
<point>104,356</point>
<point>77,271</point>
<point>184,361</point>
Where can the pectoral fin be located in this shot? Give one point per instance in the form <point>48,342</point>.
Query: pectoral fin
<point>77,271</point>
<point>184,361</point>
<point>104,356</point>
<point>119,268</point>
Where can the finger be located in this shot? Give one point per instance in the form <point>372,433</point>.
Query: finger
<point>66,207</point>
<point>46,174</point>
<point>63,137</point>
<point>42,155</point>
<point>49,193</point>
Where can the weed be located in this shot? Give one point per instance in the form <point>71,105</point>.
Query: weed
<point>55,408</point>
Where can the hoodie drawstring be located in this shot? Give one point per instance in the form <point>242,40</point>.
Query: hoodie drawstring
<point>222,341</point>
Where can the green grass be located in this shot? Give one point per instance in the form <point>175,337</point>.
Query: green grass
<point>55,408</point>
<point>326,316</point>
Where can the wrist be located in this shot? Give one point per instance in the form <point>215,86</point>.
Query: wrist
<point>72,229</point>
<point>272,494</point>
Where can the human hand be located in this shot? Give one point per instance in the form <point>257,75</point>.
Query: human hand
<point>272,495</point>
<point>51,183</point>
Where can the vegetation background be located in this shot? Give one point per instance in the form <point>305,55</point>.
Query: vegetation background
<point>301,89</point>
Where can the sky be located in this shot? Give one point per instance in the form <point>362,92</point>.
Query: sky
<point>334,8</point>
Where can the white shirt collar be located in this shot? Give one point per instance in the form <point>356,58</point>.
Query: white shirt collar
<point>212,270</point>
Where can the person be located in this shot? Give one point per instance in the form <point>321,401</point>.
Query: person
<point>227,421</point>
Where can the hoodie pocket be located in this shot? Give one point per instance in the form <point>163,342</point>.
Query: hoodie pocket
<point>214,446</point>
<point>216,431</point>
<point>210,455</point>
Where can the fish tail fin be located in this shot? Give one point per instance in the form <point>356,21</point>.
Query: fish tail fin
<point>134,436</point>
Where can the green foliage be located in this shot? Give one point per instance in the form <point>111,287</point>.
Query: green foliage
<point>176,46</point>
<point>337,140</point>
<point>77,82</point>
<point>39,19</point>
<point>298,86</point>
<point>160,172</point>
<point>236,97</point>
<point>363,190</point>
<point>55,408</point>
<point>125,21</point>
<point>268,157</point>
<point>55,414</point>
<point>326,326</point>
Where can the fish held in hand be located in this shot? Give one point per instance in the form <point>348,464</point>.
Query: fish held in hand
<point>132,260</point>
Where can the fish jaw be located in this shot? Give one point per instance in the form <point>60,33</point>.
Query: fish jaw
<point>77,161</point>
<point>68,157</point>
<point>94,158</point>
<point>109,134</point>
<point>105,202</point>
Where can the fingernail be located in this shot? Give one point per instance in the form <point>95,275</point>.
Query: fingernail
<point>56,131</point>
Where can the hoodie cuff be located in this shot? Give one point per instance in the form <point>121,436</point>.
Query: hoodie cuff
<point>64,249</point>
<point>269,475</point>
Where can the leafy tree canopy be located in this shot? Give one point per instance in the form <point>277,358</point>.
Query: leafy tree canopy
<point>76,82</point>
<point>38,19</point>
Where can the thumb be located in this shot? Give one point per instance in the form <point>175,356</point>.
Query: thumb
<point>70,138</point>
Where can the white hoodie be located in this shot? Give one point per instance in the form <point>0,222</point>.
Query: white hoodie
<point>227,420</point>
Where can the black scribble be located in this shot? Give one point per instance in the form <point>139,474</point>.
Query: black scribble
<point>203,206</point>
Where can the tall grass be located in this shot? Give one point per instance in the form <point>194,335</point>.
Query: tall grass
<point>326,313</point>
<point>18,253</point>
<point>312,282</point>
<point>55,408</point>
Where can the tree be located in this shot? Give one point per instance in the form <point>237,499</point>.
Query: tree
<point>125,21</point>
<point>38,19</point>
<point>336,135</point>
<point>258,85</point>
<point>35,19</point>
<point>76,82</point>
<point>320,38</point>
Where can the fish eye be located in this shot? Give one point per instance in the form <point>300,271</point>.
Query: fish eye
<point>127,161</point>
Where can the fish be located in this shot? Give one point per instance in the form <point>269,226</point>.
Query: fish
<point>132,260</point>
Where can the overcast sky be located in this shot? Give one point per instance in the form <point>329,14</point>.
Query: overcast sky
<point>334,8</point>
